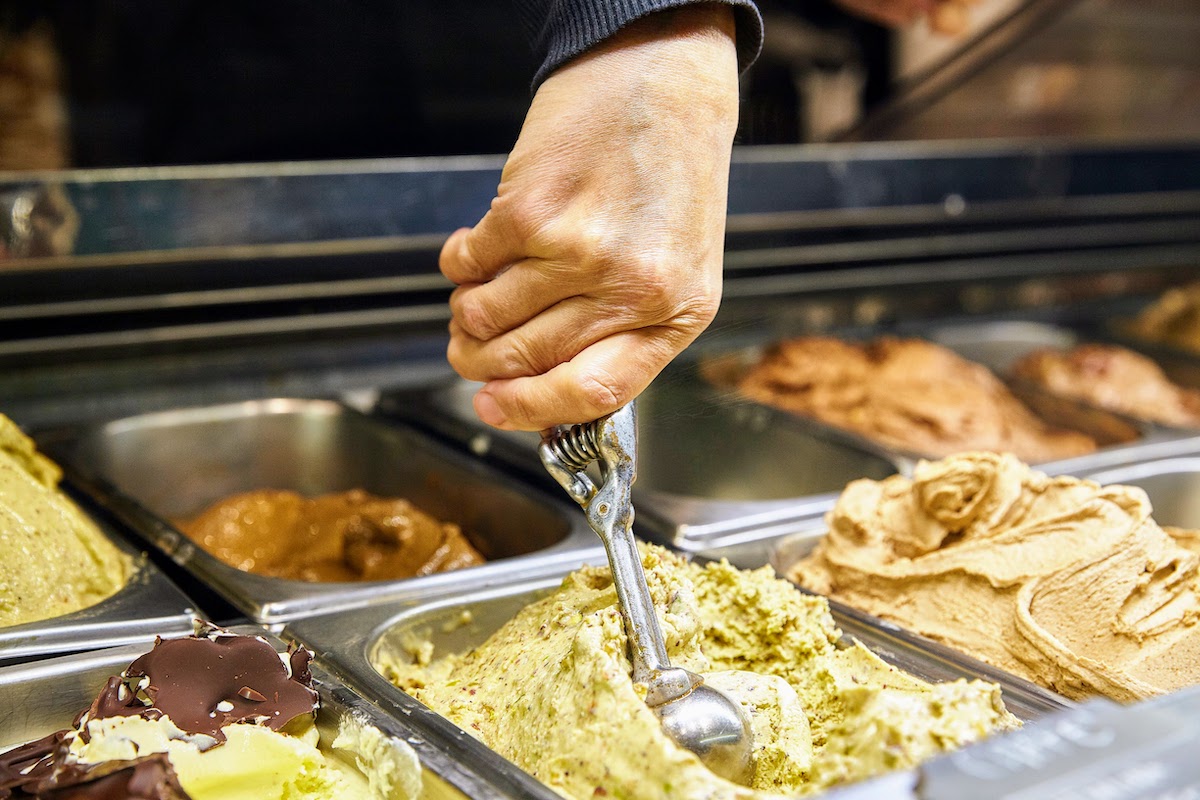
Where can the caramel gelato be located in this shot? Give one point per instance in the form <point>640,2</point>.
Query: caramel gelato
<point>907,394</point>
<point>1067,583</point>
<point>1113,378</point>
<point>349,536</point>
<point>1173,319</point>
<point>53,558</point>
<point>552,689</point>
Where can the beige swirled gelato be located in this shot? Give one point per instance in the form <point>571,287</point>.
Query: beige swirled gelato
<point>908,394</point>
<point>551,690</point>
<point>1114,378</point>
<point>1062,581</point>
<point>1173,319</point>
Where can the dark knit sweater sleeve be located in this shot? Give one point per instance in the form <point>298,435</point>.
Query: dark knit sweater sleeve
<point>562,29</point>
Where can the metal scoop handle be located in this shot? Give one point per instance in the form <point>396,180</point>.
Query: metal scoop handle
<point>696,716</point>
<point>612,442</point>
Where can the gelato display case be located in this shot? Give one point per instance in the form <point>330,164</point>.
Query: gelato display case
<point>190,335</point>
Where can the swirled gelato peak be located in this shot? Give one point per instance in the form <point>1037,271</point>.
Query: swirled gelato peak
<point>1062,581</point>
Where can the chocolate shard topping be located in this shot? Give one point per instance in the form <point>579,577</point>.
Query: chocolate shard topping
<point>205,683</point>
<point>149,778</point>
<point>28,764</point>
<point>299,659</point>
<point>250,694</point>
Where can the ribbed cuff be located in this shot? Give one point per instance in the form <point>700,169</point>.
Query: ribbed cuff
<point>573,26</point>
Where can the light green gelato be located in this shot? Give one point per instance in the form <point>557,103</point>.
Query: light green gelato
<point>551,690</point>
<point>53,559</point>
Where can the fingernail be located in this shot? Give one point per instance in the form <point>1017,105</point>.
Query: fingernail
<point>489,410</point>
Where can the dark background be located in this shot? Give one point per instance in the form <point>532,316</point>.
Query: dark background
<point>151,82</point>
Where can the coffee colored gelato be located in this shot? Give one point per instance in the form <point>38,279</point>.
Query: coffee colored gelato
<point>53,558</point>
<point>1173,319</point>
<point>908,394</point>
<point>552,692</point>
<point>219,716</point>
<point>1067,583</point>
<point>1113,378</point>
<point>350,536</point>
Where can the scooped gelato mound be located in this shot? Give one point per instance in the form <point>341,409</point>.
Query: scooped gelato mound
<point>908,394</point>
<point>350,536</point>
<point>53,558</point>
<point>217,715</point>
<point>552,690</point>
<point>1114,378</point>
<point>1062,581</point>
<point>1173,319</point>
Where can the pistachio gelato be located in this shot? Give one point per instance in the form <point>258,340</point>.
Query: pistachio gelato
<point>551,690</point>
<point>53,558</point>
<point>1059,580</point>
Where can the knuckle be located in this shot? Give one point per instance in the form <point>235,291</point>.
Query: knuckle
<point>701,306</point>
<point>524,357</point>
<point>461,361</point>
<point>602,392</point>
<point>525,219</point>
<point>522,406</point>
<point>476,317</point>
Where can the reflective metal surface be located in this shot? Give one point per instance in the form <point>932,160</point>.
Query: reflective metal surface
<point>150,469</point>
<point>713,470</point>
<point>38,699</point>
<point>694,715</point>
<point>148,606</point>
<point>1081,68</point>
<point>1172,484</point>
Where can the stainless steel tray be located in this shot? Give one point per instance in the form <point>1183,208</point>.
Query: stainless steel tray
<point>355,641</point>
<point>153,468</point>
<point>147,606</point>
<point>1171,483</point>
<point>713,470</point>
<point>38,699</point>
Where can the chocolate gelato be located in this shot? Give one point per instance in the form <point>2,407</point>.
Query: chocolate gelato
<point>1173,319</point>
<point>908,394</point>
<point>1113,378</point>
<point>1067,583</point>
<point>53,558</point>
<point>351,536</point>
<point>217,715</point>
<point>552,689</point>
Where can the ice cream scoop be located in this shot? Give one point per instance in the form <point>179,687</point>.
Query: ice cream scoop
<point>696,716</point>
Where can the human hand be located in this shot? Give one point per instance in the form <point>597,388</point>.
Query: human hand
<point>600,257</point>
